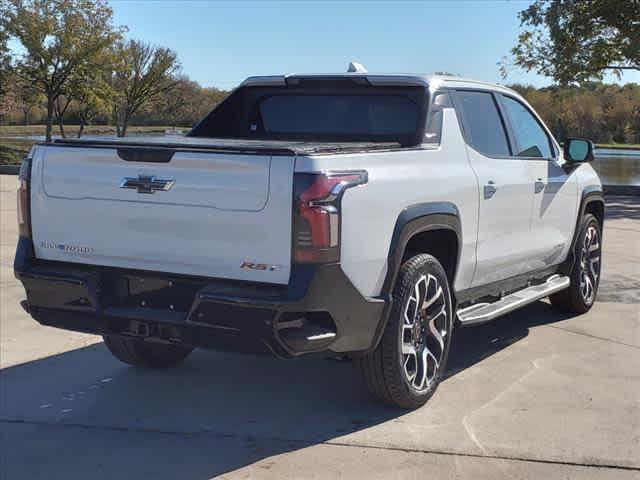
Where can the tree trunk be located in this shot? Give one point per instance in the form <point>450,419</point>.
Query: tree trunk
<point>81,129</point>
<point>49,121</point>
<point>125,124</point>
<point>119,119</point>
<point>60,111</point>
<point>61,126</point>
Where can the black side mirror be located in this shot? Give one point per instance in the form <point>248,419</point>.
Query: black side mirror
<point>578,150</point>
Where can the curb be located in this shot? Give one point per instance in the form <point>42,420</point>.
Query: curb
<point>613,190</point>
<point>615,147</point>
<point>9,169</point>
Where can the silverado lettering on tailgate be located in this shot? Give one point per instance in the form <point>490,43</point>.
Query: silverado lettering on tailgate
<point>63,247</point>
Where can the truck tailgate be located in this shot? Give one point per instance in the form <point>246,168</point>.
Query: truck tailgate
<point>222,215</point>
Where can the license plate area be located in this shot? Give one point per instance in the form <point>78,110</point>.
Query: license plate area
<point>157,293</point>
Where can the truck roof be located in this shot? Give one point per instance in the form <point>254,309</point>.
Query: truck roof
<point>432,82</point>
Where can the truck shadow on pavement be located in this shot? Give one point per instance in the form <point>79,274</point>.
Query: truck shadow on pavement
<point>83,414</point>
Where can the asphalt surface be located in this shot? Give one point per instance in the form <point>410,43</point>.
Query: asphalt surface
<point>536,394</point>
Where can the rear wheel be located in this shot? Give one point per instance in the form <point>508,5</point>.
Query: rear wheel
<point>145,354</point>
<point>407,366</point>
<point>585,273</point>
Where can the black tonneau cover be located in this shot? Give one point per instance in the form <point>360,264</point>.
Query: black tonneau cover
<point>272,147</point>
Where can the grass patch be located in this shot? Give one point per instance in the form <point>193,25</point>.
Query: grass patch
<point>13,151</point>
<point>72,130</point>
<point>619,146</point>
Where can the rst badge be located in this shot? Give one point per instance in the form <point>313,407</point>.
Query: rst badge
<point>260,266</point>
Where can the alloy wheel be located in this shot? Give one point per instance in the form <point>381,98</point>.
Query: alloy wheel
<point>425,326</point>
<point>590,265</point>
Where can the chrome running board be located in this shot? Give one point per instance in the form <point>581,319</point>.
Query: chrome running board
<point>484,312</point>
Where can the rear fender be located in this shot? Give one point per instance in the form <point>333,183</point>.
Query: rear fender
<point>413,220</point>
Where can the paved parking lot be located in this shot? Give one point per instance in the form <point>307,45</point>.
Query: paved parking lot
<point>535,394</point>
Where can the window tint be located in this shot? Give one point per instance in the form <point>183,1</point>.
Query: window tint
<point>532,139</point>
<point>339,114</point>
<point>482,120</point>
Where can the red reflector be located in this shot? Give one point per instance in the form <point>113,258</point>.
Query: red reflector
<point>24,207</point>
<point>318,219</point>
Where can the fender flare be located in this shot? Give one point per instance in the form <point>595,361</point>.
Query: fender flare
<point>415,219</point>
<point>590,194</point>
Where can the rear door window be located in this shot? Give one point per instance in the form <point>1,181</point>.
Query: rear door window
<point>483,123</point>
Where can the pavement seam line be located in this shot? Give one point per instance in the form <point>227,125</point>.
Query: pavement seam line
<point>632,230</point>
<point>336,443</point>
<point>487,456</point>
<point>584,334</point>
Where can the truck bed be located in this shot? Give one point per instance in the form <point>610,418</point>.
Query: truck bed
<point>245,146</point>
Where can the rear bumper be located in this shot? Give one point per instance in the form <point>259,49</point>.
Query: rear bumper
<point>318,312</point>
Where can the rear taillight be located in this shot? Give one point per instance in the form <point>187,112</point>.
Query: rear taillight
<point>24,209</point>
<point>316,223</point>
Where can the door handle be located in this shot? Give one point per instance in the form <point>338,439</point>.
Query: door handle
<point>489,189</point>
<point>539,185</point>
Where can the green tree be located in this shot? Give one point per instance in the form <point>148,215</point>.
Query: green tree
<point>89,88</point>
<point>602,112</point>
<point>63,39</point>
<point>578,40</point>
<point>92,99</point>
<point>142,73</point>
<point>27,96</point>
<point>5,54</point>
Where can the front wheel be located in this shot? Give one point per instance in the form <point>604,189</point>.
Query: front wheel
<point>145,354</point>
<point>407,365</point>
<point>585,273</point>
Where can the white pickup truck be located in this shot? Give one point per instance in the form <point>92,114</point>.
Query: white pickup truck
<point>351,215</point>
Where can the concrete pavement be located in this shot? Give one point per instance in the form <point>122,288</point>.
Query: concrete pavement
<point>534,394</point>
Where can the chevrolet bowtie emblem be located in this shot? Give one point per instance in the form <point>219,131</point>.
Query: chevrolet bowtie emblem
<point>147,184</point>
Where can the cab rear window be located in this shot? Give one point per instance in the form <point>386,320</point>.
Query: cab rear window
<point>320,112</point>
<point>339,114</point>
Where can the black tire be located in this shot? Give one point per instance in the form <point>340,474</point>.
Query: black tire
<point>579,298</point>
<point>386,371</point>
<point>146,354</point>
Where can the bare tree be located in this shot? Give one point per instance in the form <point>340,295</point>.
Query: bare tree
<point>142,73</point>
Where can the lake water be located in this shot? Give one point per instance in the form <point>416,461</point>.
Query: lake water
<point>618,167</point>
<point>615,166</point>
